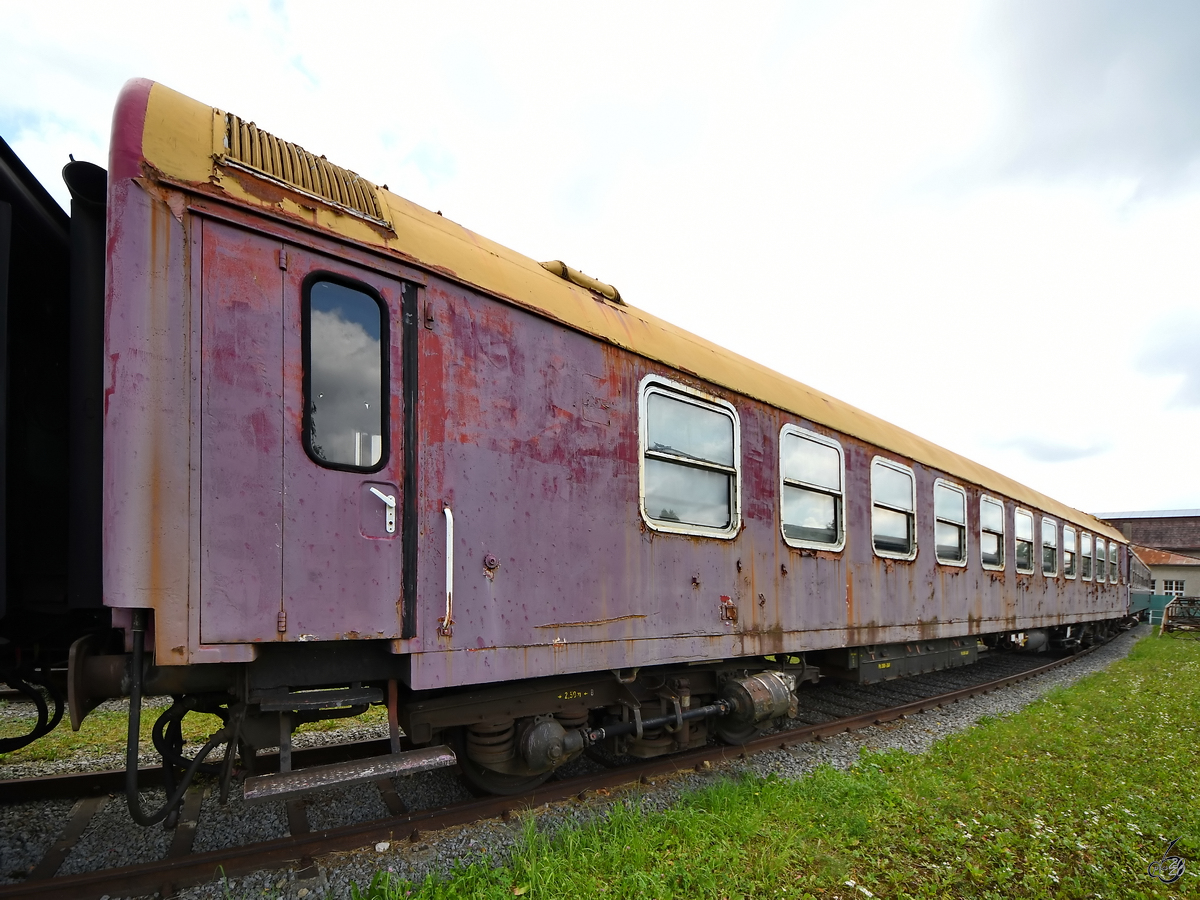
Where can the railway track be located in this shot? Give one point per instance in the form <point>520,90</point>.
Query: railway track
<point>833,709</point>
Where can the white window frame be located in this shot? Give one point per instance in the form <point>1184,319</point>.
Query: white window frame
<point>960,563</point>
<point>899,467</point>
<point>1003,534</point>
<point>839,497</point>
<point>1114,565</point>
<point>1042,548</point>
<point>1075,540</point>
<point>1035,540</point>
<point>652,384</point>
<point>1091,554</point>
<point>1096,575</point>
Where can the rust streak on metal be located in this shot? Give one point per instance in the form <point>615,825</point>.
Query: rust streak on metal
<point>594,622</point>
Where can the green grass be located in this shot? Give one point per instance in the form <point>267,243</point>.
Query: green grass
<point>1073,797</point>
<point>104,731</point>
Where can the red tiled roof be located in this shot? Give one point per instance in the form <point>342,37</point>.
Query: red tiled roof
<point>1152,557</point>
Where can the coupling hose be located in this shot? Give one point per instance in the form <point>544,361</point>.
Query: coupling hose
<point>132,797</point>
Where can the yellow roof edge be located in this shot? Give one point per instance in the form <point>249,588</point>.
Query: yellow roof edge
<point>180,140</point>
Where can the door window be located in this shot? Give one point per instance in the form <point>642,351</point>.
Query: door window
<point>345,341</point>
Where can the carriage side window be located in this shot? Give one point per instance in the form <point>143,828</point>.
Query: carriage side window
<point>893,509</point>
<point>1101,560</point>
<point>950,523</point>
<point>1024,536</point>
<point>345,346</point>
<point>1085,556</point>
<point>1069,551</point>
<point>1114,568</point>
<point>812,470</point>
<point>689,461</point>
<point>1049,547</point>
<point>991,533</point>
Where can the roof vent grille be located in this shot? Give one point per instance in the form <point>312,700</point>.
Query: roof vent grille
<point>248,145</point>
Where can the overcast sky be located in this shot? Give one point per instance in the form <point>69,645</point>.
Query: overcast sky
<point>979,221</point>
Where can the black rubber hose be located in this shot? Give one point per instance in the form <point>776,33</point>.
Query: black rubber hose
<point>43,678</point>
<point>132,797</point>
<point>8,745</point>
<point>173,719</point>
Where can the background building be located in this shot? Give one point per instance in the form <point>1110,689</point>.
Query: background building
<point>1176,530</point>
<point>1170,573</point>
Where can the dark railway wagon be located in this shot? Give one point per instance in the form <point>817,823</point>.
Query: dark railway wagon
<point>354,453</point>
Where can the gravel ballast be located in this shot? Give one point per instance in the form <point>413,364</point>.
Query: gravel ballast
<point>111,839</point>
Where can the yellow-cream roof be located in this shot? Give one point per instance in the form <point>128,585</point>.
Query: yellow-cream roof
<point>184,141</point>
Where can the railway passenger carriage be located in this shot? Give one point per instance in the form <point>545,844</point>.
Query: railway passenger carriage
<point>354,453</point>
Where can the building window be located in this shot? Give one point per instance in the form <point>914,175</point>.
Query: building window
<point>1101,560</point>
<point>1114,567</point>
<point>950,523</point>
<point>1049,547</point>
<point>1069,551</point>
<point>893,505</point>
<point>1024,537</point>
<point>812,470</point>
<point>345,376</point>
<point>1153,583</point>
<point>1172,588</point>
<point>991,533</point>
<point>689,461</point>
<point>1085,556</point>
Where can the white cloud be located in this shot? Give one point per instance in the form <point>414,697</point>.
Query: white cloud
<point>802,184</point>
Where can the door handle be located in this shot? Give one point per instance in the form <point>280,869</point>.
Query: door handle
<point>389,501</point>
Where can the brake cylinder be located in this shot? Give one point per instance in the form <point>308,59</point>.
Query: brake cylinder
<point>767,695</point>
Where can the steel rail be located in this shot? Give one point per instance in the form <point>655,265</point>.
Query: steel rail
<point>234,862</point>
<point>110,781</point>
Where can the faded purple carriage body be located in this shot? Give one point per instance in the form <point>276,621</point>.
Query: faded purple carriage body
<point>527,429</point>
<point>349,444</point>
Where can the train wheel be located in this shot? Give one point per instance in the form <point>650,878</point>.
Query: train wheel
<point>484,781</point>
<point>737,736</point>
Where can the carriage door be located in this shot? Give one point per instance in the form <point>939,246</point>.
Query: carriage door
<point>241,436</point>
<point>342,453</point>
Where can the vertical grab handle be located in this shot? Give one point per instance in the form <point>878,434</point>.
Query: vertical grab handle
<point>446,628</point>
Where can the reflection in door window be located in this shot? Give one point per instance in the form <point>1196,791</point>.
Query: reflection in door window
<point>344,368</point>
